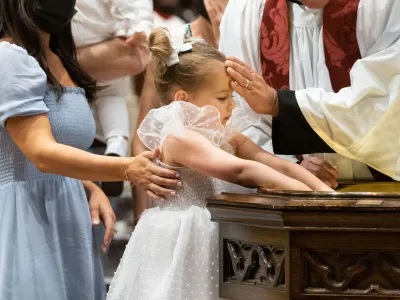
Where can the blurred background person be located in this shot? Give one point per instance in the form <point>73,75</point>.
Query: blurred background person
<point>109,36</point>
<point>168,14</point>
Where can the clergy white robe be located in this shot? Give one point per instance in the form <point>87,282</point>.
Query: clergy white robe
<point>361,122</point>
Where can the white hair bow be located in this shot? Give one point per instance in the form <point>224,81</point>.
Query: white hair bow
<point>182,47</point>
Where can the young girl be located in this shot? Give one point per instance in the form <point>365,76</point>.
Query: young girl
<point>173,252</point>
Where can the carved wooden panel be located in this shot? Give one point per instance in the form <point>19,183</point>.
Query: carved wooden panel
<point>345,272</point>
<point>254,264</point>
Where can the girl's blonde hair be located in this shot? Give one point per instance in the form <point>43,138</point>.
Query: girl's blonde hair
<point>189,73</point>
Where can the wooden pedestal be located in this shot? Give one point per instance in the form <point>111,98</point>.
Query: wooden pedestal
<point>282,245</point>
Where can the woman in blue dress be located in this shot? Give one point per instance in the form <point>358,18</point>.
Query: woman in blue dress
<point>47,204</point>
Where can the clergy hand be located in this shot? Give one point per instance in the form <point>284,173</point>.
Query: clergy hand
<point>322,169</point>
<point>251,86</point>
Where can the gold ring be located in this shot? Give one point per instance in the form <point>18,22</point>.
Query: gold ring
<point>247,83</point>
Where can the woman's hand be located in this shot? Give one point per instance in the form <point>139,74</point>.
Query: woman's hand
<point>143,172</point>
<point>101,211</point>
<point>138,39</point>
<point>139,42</point>
<point>215,10</point>
<point>251,86</point>
<point>322,170</point>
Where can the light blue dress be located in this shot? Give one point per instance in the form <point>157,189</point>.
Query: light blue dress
<point>47,246</point>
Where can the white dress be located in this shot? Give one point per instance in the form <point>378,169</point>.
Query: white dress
<point>173,251</point>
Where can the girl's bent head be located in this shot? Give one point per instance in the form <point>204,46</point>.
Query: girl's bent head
<point>199,77</point>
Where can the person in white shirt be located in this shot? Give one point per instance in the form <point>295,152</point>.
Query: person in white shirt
<point>148,97</point>
<point>108,35</point>
<point>342,70</point>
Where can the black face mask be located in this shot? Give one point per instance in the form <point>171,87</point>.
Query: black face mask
<point>168,8</point>
<point>52,15</point>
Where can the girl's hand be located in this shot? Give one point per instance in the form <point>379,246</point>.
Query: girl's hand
<point>143,172</point>
<point>101,210</point>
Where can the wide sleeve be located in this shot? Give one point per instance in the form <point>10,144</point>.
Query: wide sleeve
<point>132,16</point>
<point>22,84</point>
<point>362,121</point>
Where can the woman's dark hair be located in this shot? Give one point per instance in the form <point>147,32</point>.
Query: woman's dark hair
<point>16,23</point>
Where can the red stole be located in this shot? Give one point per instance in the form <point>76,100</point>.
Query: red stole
<point>339,34</point>
<point>340,43</point>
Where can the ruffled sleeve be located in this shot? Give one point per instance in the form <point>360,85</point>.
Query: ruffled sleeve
<point>132,16</point>
<point>180,118</point>
<point>22,84</point>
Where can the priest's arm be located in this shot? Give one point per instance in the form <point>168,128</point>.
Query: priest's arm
<point>360,121</point>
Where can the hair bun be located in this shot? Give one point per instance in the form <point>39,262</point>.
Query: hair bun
<point>161,50</point>
<point>193,67</point>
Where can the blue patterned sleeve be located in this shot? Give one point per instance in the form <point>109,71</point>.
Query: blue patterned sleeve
<point>22,84</point>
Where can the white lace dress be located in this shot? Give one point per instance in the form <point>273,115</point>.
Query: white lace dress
<point>173,251</point>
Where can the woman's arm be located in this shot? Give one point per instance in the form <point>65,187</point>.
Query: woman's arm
<point>215,10</point>
<point>247,149</point>
<point>125,55</point>
<point>201,28</point>
<point>89,187</point>
<point>197,153</point>
<point>33,136</point>
<point>114,58</point>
